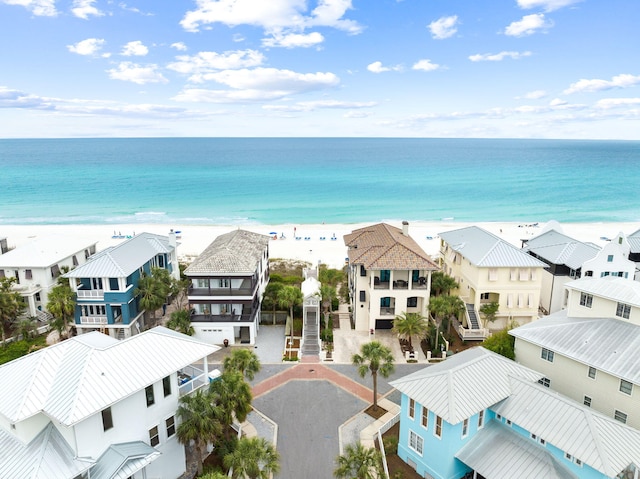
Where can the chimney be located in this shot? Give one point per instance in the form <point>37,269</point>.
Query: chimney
<point>405,228</point>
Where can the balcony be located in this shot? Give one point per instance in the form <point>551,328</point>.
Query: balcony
<point>387,311</point>
<point>221,318</point>
<point>93,320</point>
<point>247,288</point>
<point>90,293</point>
<point>190,379</point>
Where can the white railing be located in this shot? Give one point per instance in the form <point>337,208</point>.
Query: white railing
<point>472,333</point>
<point>93,320</point>
<point>90,293</point>
<point>190,379</point>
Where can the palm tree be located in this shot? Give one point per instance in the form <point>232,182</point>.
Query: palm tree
<point>290,296</point>
<point>270,296</point>
<point>214,475</point>
<point>151,294</point>
<point>26,328</point>
<point>407,325</point>
<point>232,397</point>
<point>359,462</point>
<point>456,308</point>
<point>181,321</point>
<point>439,308</point>
<point>442,283</point>
<point>62,304</point>
<point>253,458</point>
<point>376,358</point>
<point>244,361</point>
<point>199,423</point>
<point>11,305</point>
<point>328,294</point>
<point>332,277</point>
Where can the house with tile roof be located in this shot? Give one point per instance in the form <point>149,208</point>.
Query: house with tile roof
<point>388,274</point>
<point>227,282</point>
<point>589,351</point>
<point>481,414</point>
<point>105,285</point>
<point>488,269</point>
<point>36,266</point>
<point>93,406</point>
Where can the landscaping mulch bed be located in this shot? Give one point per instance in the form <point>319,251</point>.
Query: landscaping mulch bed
<point>375,413</point>
<point>397,467</point>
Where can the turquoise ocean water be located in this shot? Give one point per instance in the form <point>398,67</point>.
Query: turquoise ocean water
<point>314,180</point>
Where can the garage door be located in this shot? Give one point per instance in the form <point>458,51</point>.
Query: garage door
<point>384,323</point>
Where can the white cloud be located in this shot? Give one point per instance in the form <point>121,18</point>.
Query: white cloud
<point>557,102</point>
<point>200,95</point>
<point>181,47</point>
<point>528,25</point>
<point>320,104</point>
<point>40,8</point>
<point>535,94</point>
<point>141,75</point>
<point>272,16</point>
<point>135,48</point>
<point>90,46</point>
<point>624,80</point>
<point>357,114</point>
<point>608,103</point>
<point>425,65</point>
<point>546,5</point>
<point>85,8</point>
<point>201,64</point>
<point>293,40</point>
<point>443,27</point>
<point>377,67</point>
<point>496,57</point>
<point>126,7</point>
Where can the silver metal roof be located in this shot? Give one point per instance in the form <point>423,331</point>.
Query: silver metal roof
<point>497,452</point>
<point>74,379</point>
<point>610,345</point>
<point>624,290</point>
<point>45,251</point>
<point>310,287</point>
<point>121,461</point>
<point>558,248</point>
<point>239,252</point>
<point>464,384</point>
<point>485,249</point>
<point>122,260</point>
<point>601,442</point>
<point>47,456</point>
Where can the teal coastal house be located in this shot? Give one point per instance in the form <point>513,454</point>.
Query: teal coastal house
<point>105,285</point>
<point>480,415</point>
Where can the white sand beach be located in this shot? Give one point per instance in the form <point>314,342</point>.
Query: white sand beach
<point>311,246</point>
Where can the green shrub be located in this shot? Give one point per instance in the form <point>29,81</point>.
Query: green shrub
<point>390,444</point>
<point>326,335</point>
<point>17,349</point>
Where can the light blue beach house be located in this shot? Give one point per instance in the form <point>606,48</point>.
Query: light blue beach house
<point>105,285</point>
<point>480,415</point>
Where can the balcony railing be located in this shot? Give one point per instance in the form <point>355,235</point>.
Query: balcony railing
<point>190,379</point>
<point>90,293</point>
<point>93,320</point>
<point>386,311</point>
<point>247,288</point>
<point>221,318</point>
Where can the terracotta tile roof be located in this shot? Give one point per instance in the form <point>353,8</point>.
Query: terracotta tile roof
<point>382,246</point>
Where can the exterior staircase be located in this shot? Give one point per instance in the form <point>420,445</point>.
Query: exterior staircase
<point>311,335</point>
<point>474,323</point>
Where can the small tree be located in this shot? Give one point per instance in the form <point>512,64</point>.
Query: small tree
<point>376,358</point>
<point>359,462</point>
<point>327,293</point>
<point>232,398</point>
<point>253,458</point>
<point>270,297</point>
<point>442,283</point>
<point>290,296</point>
<point>181,321</point>
<point>244,361</point>
<point>26,328</point>
<point>11,305</point>
<point>407,325</point>
<point>489,311</point>
<point>199,423</point>
<point>62,305</point>
<point>501,342</point>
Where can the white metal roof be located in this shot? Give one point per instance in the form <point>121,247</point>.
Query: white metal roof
<point>73,380</point>
<point>121,461</point>
<point>497,452</point>
<point>47,456</point>
<point>310,287</point>
<point>122,260</point>
<point>238,251</point>
<point>615,288</point>
<point>485,249</point>
<point>558,248</point>
<point>601,442</point>
<point>610,345</point>
<point>464,384</point>
<point>45,251</point>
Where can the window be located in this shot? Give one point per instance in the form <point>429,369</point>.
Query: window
<point>610,258</point>
<point>523,274</point>
<point>568,456</point>
<point>154,437</point>
<point>481,419</point>
<point>113,284</point>
<point>587,401</point>
<point>592,372</point>
<point>412,302</point>
<point>438,430</point>
<point>620,416</point>
<point>465,428</point>
<point>37,296</point>
<point>74,259</point>
<point>55,271</point>
<point>547,355</point>
<point>546,382</point>
<point>28,274</point>
<point>586,300</point>
<point>623,310</point>
<point>107,419</point>
<point>415,442</point>
<point>425,417</point>
<point>170,423</point>
<point>363,296</point>
<point>626,387</point>
<point>166,386</point>
<point>148,391</point>
<point>412,408</point>
<point>512,274</point>
<point>508,422</point>
<point>484,296</point>
<point>363,271</point>
<point>543,442</point>
<point>493,274</point>
<point>2,275</point>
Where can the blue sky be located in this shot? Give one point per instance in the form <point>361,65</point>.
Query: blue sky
<point>391,68</point>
